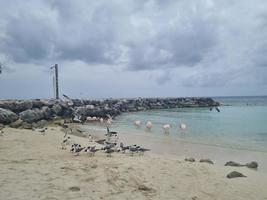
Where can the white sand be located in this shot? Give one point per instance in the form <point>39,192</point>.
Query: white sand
<point>33,166</point>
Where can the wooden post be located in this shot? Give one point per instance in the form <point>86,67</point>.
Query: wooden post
<point>56,75</point>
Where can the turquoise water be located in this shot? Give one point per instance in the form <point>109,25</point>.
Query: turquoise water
<point>242,123</point>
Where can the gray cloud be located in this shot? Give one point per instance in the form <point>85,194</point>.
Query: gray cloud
<point>183,42</point>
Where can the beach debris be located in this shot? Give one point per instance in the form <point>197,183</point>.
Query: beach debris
<point>253,165</point>
<point>206,161</point>
<point>144,188</point>
<point>233,164</point>
<point>191,159</point>
<point>235,174</point>
<point>74,189</point>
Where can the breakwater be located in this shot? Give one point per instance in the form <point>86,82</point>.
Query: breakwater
<point>24,113</point>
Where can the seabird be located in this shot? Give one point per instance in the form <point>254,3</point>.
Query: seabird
<point>143,150</point>
<point>65,142</point>
<point>74,146</point>
<point>92,150</point>
<point>124,148</point>
<point>109,146</point>
<point>109,152</point>
<point>218,110</point>
<point>78,150</point>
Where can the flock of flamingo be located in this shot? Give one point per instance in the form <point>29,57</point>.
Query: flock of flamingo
<point>166,127</point>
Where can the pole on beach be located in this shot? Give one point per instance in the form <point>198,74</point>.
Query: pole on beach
<point>55,81</point>
<point>56,73</point>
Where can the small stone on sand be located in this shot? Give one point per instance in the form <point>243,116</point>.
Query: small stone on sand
<point>190,159</point>
<point>206,161</point>
<point>233,164</point>
<point>235,174</point>
<point>74,189</point>
<point>253,165</point>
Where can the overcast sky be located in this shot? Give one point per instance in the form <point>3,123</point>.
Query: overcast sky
<point>133,48</point>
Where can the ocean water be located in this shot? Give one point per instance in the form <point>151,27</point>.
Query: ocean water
<point>241,124</point>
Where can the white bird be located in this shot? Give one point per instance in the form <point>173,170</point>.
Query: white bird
<point>109,121</point>
<point>149,125</point>
<point>182,126</point>
<point>101,120</point>
<point>166,128</point>
<point>137,123</point>
<point>89,119</point>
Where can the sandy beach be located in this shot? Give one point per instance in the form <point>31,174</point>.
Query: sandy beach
<point>33,166</point>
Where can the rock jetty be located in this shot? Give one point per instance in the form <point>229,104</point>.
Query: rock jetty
<point>25,112</point>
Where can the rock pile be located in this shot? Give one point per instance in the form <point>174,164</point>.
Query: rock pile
<point>24,112</point>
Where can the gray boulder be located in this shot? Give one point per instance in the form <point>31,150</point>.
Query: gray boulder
<point>233,164</point>
<point>7,116</point>
<point>36,114</point>
<point>190,159</point>
<point>16,105</point>
<point>253,165</point>
<point>235,174</point>
<point>16,124</point>
<point>206,161</point>
<point>56,109</point>
<point>26,125</point>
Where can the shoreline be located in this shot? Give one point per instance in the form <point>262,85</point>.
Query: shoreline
<point>33,166</point>
<point>161,145</point>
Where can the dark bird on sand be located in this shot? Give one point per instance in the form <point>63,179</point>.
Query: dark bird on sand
<point>91,150</point>
<point>109,152</point>
<point>75,146</point>
<point>110,133</point>
<point>143,149</point>
<point>124,148</point>
<point>109,146</point>
<point>78,150</point>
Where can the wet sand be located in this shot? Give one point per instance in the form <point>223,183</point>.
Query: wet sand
<point>34,167</point>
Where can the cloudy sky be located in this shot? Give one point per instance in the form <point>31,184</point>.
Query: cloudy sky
<point>133,48</point>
